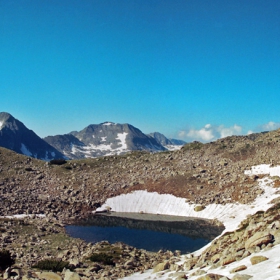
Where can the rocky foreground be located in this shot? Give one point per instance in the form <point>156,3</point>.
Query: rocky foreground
<point>33,239</point>
<point>201,174</point>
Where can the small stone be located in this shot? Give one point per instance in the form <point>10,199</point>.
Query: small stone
<point>199,207</point>
<point>239,268</point>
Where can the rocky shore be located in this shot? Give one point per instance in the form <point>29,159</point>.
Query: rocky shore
<point>32,239</point>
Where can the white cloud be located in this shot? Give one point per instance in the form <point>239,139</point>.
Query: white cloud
<point>270,126</point>
<point>204,134</point>
<point>265,127</point>
<point>209,132</point>
<point>228,131</point>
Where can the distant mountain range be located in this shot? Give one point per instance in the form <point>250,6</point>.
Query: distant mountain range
<point>108,139</point>
<point>94,140</point>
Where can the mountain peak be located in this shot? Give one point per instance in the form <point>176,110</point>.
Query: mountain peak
<point>108,123</point>
<point>14,135</point>
<point>171,144</point>
<point>5,117</point>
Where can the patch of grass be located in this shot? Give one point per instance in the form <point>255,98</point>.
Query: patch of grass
<point>192,146</point>
<point>52,264</point>
<point>108,255</point>
<point>68,167</point>
<point>102,258</point>
<point>28,169</point>
<point>58,161</point>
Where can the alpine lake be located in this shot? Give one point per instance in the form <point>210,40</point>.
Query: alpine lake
<point>147,231</point>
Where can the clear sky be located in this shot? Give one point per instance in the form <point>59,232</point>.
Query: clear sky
<point>190,69</point>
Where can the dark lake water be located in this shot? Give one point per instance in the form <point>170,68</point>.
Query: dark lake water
<point>145,231</point>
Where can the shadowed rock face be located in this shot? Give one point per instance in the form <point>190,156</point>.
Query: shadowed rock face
<point>14,135</point>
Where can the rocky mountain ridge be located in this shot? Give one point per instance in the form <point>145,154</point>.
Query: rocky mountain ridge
<point>93,141</point>
<point>104,139</point>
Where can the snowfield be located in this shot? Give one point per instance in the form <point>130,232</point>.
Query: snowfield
<point>230,215</point>
<point>25,151</point>
<point>88,150</point>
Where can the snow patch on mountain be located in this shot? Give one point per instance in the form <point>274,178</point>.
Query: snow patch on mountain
<point>1,124</point>
<point>108,123</point>
<point>91,149</point>
<point>122,138</point>
<point>25,151</point>
<point>264,169</point>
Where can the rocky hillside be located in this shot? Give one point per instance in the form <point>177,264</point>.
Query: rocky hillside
<point>201,173</point>
<point>14,135</point>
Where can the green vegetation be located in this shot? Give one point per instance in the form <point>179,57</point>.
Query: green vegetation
<point>68,167</point>
<point>28,169</point>
<point>58,161</point>
<point>102,258</point>
<point>192,146</point>
<point>6,260</point>
<point>108,255</point>
<point>52,264</point>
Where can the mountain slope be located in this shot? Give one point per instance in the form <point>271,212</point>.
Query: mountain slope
<point>169,144</point>
<point>103,139</point>
<point>14,135</point>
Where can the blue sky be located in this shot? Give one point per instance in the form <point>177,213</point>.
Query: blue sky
<point>190,69</point>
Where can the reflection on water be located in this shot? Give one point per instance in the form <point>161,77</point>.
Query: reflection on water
<point>146,231</point>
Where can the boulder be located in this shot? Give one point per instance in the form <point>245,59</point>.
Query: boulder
<point>257,259</point>
<point>69,275</point>
<point>241,277</point>
<point>239,268</point>
<point>161,267</point>
<point>48,276</point>
<point>7,273</point>
<point>199,207</point>
<point>258,239</point>
<point>189,264</point>
<point>216,258</point>
<point>229,259</point>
